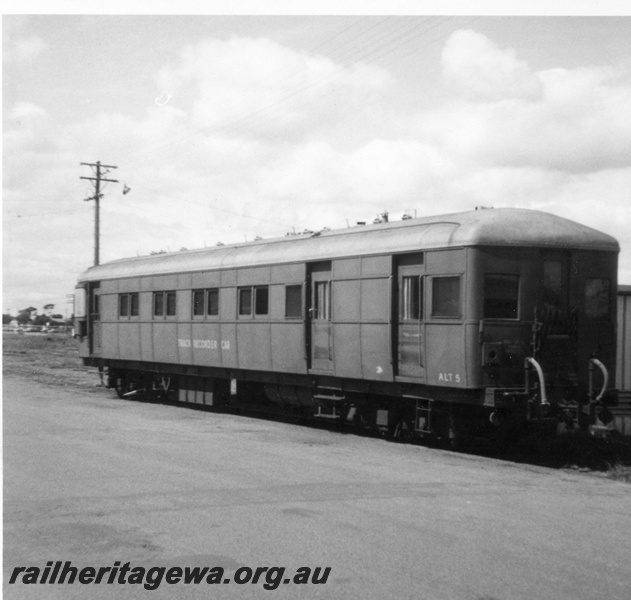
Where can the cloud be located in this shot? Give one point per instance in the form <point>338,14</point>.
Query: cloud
<point>28,49</point>
<point>257,87</point>
<point>259,139</point>
<point>18,46</point>
<point>26,111</point>
<point>480,71</point>
<point>578,121</point>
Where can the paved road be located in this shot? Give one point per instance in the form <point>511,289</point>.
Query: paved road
<point>93,480</point>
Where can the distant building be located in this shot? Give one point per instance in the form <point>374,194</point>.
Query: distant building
<point>622,413</point>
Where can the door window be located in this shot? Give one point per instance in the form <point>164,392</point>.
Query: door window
<point>411,296</point>
<point>322,301</point>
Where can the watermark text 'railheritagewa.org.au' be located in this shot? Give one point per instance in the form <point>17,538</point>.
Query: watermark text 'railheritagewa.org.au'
<point>60,573</point>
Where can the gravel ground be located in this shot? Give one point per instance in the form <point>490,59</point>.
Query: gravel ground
<point>94,479</point>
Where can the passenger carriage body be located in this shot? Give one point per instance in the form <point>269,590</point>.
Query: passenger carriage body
<point>390,325</point>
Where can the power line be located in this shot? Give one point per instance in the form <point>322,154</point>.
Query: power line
<point>371,48</point>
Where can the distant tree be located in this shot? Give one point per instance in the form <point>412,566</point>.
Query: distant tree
<point>6,319</point>
<point>57,317</point>
<point>49,308</point>
<point>26,315</point>
<point>41,320</point>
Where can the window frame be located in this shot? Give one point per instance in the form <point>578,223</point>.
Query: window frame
<point>168,310</point>
<point>201,309</point>
<point>255,293</point>
<point>131,301</point>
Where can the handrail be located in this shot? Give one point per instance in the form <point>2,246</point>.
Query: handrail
<point>592,362</point>
<point>391,320</point>
<point>542,383</point>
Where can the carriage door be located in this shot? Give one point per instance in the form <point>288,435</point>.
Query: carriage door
<point>409,323</point>
<point>321,334</point>
<point>556,343</point>
<point>94,317</point>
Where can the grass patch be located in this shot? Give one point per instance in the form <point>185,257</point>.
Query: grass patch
<point>619,472</point>
<point>52,359</point>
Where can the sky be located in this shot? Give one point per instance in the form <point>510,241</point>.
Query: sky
<point>252,122</point>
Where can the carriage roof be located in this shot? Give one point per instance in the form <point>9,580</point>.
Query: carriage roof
<point>487,227</point>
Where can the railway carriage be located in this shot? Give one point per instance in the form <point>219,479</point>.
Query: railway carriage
<point>470,322</point>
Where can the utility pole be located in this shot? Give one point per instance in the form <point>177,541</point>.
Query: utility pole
<point>96,167</point>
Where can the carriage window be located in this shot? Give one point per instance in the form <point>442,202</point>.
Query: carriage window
<point>123,305</point>
<point>164,303</point>
<point>134,307</point>
<point>170,304</point>
<point>411,296</point>
<point>256,298</point>
<point>212,306</point>
<point>206,302</point>
<point>322,301</point>
<point>597,298</point>
<point>261,300</point>
<point>293,301</point>
<point>446,297</point>
<point>198,303</point>
<point>158,304</point>
<point>245,301</point>
<point>128,305</point>
<point>96,307</point>
<point>501,294</point>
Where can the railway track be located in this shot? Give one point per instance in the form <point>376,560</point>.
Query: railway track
<point>579,450</point>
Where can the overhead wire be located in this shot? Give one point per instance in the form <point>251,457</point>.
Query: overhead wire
<point>378,41</point>
<point>371,50</point>
<point>252,88</point>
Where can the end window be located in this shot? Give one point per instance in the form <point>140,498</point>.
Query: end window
<point>501,296</point>
<point>597,298</point>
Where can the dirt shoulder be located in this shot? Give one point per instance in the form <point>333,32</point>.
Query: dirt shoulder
<point>53,360</point>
